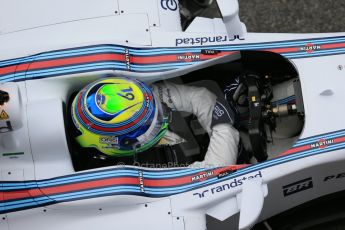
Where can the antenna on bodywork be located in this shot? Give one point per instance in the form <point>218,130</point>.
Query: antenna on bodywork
<point>229,10</point>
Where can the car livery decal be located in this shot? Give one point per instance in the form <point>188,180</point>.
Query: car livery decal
<point>146,60</point>
<point>127,180</point>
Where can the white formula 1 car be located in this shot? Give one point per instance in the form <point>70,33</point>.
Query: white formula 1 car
<point>289,100</point>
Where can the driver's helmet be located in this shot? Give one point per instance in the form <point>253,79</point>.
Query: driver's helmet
<point>118,116</point>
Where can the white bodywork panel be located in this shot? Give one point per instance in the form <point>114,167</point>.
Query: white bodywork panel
<point>151,216</point>
<point>49,144</point>
<point>16,15</point>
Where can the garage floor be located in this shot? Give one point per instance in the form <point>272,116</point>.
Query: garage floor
<point>293,16</point>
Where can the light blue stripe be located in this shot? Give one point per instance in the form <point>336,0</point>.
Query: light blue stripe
<point>315,139</point>
<point>98,192</point>
<point>315,53</point>
<point>12,75</point>
<point>32,200</point>
<point>80,52</point>
<point>16,61</point>
<point>7,76</point>
<point>8,187</point>
<point>6,80</point>
<point>18,183</point>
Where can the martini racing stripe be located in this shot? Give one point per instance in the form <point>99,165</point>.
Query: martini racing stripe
<point>318,53</point>
<point>111,176</point>
<point>261,45</point>
<point>339,41</point>
<point>154,174</point>
<point>154,59</point>
<point>283,159</point>
<point>148,68</point>
<point>71,181</point>
<point>331,135</point>
<point>38,65</point>
<point>113,173</point>
<point>104,182</point>
<point>67,188</point>
<point>154,188</point>
<point>70,70</point>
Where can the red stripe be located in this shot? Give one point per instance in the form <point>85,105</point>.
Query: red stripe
<point>22,194</point>
<point>76,60</point>
<point>23,67</point>
<point>188,179</point>
<point>90,185</point>
<point>295,150</point>
<point>62,62</point>
<point>153,59</point>
<point>8,69</point>
<point>284,50</point>
<point>339,140</point>
<point>332,46</point>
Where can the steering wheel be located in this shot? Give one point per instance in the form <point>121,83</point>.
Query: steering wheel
<point>256,128</point>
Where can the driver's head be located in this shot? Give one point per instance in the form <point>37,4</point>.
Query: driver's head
<point>118,116</point>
